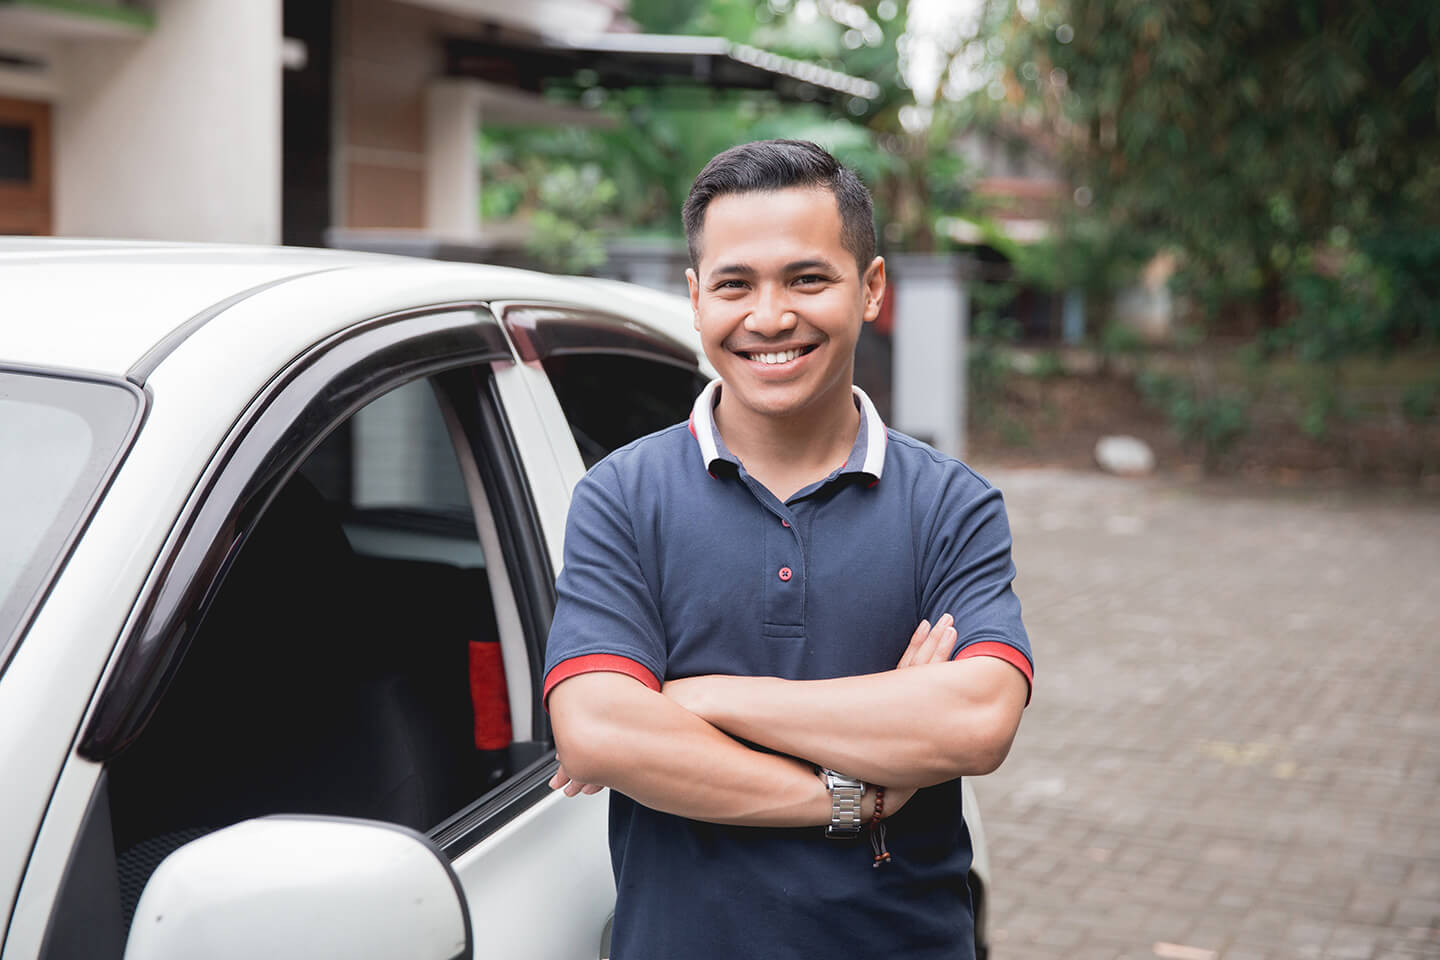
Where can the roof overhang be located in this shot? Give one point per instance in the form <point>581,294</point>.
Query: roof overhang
<point>619,60</point>
<point>533,15</point>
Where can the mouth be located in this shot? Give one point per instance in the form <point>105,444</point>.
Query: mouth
<point>775,358</point>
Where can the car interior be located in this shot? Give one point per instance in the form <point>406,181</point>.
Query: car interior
<point>349,664</point>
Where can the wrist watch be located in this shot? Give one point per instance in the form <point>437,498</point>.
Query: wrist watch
<point>846,794</point>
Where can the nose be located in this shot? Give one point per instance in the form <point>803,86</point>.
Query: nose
<point>771,316</point>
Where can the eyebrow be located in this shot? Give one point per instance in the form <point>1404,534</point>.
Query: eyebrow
<point>745,270</point>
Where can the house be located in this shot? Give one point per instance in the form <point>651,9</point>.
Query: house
<point>304,121</point>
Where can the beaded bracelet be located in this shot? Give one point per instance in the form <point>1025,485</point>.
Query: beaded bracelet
<point>877,829</point>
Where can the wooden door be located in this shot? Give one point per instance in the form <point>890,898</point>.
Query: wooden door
<point>25,162</point>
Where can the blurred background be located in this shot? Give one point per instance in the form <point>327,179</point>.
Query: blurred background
<point>1212,225</point>
<point>1198,239</point>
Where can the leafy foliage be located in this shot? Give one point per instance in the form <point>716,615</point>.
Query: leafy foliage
<point>1284,149</point>
<point>658,139</point>
<point>1199,412</point>
<point>1279,144</point>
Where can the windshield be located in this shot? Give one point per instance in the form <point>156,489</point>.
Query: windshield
<point>58,438</point>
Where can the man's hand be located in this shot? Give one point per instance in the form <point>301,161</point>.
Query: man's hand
<point>930,644</point>
<point>572,788</point>
<point>927,645</point>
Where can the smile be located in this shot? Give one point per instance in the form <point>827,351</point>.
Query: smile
<point>776,357</point>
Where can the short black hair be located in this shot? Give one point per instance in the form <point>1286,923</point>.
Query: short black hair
<point>778,165</point>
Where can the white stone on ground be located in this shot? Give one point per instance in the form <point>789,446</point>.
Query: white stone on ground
<point>1124,455</point>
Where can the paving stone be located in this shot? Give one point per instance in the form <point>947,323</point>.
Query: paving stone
<point>1238,951</point>
<point>1418,912</point>
<point>1210,751</point>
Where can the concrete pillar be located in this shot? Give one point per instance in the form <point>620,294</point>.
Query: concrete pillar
<point>1072,317</point>
<point>176,135</point>
<point>932,318</point>
<point>452,166</point>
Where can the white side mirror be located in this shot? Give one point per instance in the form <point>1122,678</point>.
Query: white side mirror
<point>303,887</point>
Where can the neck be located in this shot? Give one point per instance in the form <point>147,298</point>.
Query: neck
<point>788,452</point>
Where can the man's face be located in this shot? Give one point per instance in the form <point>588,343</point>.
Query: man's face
<point>779,300</point>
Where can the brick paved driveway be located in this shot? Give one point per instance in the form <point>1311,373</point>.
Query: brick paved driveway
<point>1234,747</point>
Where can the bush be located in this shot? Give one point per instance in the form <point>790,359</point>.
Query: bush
<point>988,363</point>
<point>1212,418</point>
<point>1420,402</point>
<point>564,236</point>
<point>1048,366</point>
<point>1118,339</point>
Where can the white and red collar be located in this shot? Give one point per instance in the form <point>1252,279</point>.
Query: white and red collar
<point>866,457</point>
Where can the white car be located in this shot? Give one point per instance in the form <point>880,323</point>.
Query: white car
<point>278,537</point>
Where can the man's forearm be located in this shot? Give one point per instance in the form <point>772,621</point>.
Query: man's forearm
<point>613,731</point>
<point>902,728</point>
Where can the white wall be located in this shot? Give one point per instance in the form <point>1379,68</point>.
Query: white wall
<point>175,136</point>
<point>452,162</point>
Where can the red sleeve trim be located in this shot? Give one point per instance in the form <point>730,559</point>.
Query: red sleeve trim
<point>597,663</point>
<point>1002,651</point>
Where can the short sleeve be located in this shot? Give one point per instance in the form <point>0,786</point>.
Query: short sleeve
<point>967,572</point>
<point>606,618</point>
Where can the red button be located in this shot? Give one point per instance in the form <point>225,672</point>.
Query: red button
<point>785,573</point>
<point>784,522</point>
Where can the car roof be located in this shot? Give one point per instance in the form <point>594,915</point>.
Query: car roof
<point>103,306</point>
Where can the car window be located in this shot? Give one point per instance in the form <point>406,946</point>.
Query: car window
<point>611,399</point>
<point>393,474</point>
<point>58,439</point>
<point>350,662</point>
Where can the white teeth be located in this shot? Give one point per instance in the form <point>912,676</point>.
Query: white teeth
<point>769,358</point>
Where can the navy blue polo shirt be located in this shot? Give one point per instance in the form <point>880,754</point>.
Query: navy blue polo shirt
<point>678,563</point>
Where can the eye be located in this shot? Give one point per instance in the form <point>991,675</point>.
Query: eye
<point>811,279</point>
<point>730,285</point>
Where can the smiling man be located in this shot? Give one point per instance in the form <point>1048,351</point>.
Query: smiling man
<point>735,650</point>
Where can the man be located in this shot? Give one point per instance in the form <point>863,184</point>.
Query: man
<point>734,650</point>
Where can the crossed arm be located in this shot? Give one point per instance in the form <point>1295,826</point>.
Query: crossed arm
<point>928,720</point>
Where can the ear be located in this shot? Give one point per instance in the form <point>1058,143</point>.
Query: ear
<point>694,283</point>
<point>872,287</point>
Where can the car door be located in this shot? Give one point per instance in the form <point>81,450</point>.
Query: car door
<point>348,620</point>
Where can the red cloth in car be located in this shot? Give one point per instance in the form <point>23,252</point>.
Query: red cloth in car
<point>489,697</point>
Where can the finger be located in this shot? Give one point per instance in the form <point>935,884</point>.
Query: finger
<point>947,645</point>
<point>926,653</point>
<point>590,789</point>
<point>940,645</point>
<point>916,639</point>
<point>573,788</point>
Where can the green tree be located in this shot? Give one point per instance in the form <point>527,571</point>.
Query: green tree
<point>1270,141</point>
<point>660,137</point>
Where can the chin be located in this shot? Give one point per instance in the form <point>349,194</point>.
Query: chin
<point>774,400</point>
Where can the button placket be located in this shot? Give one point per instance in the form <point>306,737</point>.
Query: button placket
<point>784,575</point>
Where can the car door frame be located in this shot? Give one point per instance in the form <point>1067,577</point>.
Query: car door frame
<point>292,415</point>
<point>296,410</point>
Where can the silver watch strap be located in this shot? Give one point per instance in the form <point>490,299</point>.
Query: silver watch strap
<point>846,796</point>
